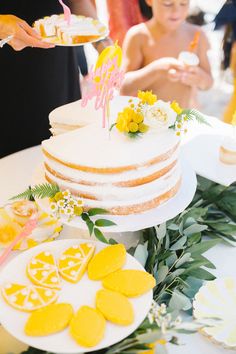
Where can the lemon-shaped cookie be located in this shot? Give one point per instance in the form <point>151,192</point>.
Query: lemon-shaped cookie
<point>130,282</point>
<point>87,327</point>
<point>107,261</point>
<point>50,319</point>
<point>28,297</point>
<point>115,307</point>
<point>42,270</point>
<point>74,261</point>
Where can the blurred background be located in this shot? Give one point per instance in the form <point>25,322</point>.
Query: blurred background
<point>204,11</point>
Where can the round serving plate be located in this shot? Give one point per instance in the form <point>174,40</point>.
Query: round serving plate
<point>79,294</point>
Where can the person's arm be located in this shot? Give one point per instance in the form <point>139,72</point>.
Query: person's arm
<point>23,34</point>
<point>200,76</point>
<point>138,76</point>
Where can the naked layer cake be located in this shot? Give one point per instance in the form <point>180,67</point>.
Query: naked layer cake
<point>112,171</point>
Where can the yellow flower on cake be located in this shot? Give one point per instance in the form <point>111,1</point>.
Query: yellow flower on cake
<point>160,116</point>
<point>147,97</point>
<point>176,107</point>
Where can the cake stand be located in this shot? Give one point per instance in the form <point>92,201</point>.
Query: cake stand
<point>136,222</point>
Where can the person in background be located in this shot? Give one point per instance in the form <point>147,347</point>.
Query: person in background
<point>35,77</point>
<point>122,16</point>
<point>227,17</point>
<point>151,53</point>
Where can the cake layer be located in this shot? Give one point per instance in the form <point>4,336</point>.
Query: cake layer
<point>116,194</point>
<point>130,178</point>
<point>131,207</point>
<point>73,115</point>
<point>93,149</point>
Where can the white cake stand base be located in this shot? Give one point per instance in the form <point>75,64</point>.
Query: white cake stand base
<point>130,224</point>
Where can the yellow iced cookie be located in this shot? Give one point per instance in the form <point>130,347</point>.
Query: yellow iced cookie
<point>107,261</point>
<point>42,270</point>
<point>51,319</point>
<point>130,282</point>
<point>74,261</point>
<point>115,307</point>
<point>28,297</point>
<point>87,327</point>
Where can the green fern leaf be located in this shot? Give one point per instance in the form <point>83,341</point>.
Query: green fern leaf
<point>193,114</point>
<point>27,194</point>
<point>40,191</point>
<point>45,190</point>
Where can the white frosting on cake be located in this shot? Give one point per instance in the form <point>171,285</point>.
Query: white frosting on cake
<point>125,196</point>
<point>98,178</point>
<point>75,115</point>
<point>92,146</point>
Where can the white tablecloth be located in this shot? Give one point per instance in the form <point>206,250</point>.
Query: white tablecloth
<point>16,171</point>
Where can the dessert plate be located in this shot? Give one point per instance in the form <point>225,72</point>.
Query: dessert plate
<point>203,155</point>
<point>96,25</point>
<point>217,299</point>
<point>136,222</point>
<point>81,293</point>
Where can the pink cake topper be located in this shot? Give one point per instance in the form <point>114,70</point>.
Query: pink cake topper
<point>102,83</point>
<point>67,12</point>
<point>28,228</point>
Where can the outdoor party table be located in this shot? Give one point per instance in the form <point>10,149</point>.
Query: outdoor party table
<point>16,173</point>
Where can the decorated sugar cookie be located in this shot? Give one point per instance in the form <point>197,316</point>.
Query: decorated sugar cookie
<point>48,320</point>
<point>130,282</point>
<point>74,261</point>
<point>28,297</point>
<point>87,327</point>
<point>42,270</point>
<point>107,261</point>
<point>217,299</point>
<point>115,307</point>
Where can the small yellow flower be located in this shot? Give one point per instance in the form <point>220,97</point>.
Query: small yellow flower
<point>147,97</point>
<point>58,196</point>
<point>233,122</point>
<point>78,210</point>
<point>176,107</point>
<point>178,133</point>
<point>133,127</point>
<point>138,118</point>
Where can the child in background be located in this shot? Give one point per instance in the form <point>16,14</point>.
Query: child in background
<point>151,51</point>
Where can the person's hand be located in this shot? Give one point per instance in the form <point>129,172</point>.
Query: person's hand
<point>23,34</point>
<point>169,63</point>
<point>191,76</point>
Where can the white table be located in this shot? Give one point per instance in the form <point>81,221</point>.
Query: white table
<point>16,171</point>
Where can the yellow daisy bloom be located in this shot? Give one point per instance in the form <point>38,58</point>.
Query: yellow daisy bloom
<point>176,107</point>
<point>147,97</point>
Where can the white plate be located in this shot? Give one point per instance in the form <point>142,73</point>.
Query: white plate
<point>82,293</point>
<point>217,299</point>
<point>203,155</point>
<point>136,222</point>
<point>57,42</point>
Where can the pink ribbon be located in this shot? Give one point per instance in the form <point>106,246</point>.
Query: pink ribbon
<point>67,12</point>
<point>28,228</point>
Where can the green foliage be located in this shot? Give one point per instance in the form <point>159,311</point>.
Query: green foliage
<point>93,226</point>
<point>193,114</point>
<point>40,191</point>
